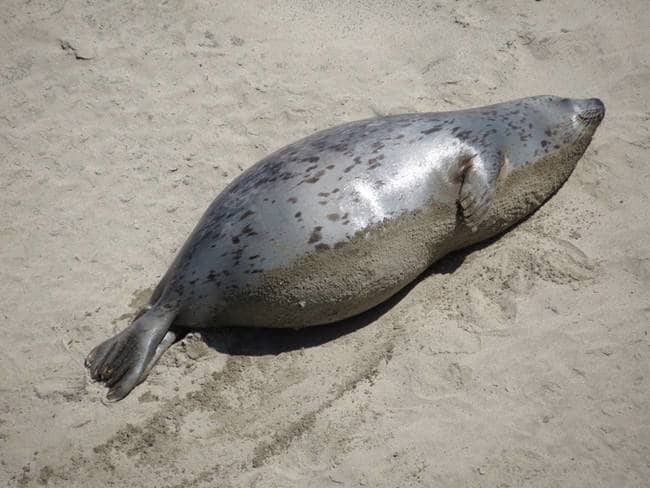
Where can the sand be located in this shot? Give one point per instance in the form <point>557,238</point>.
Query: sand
<point>523,362</point>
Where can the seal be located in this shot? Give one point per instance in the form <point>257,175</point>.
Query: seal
<point>336,223</point>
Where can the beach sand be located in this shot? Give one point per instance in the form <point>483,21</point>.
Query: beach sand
<point>523,362</point>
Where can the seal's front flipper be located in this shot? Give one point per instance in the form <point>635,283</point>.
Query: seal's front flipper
<point>124,361</point>
<point>479,179</point>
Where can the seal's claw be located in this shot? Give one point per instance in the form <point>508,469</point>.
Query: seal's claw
<point>477,188</point>
<point>475,208</point>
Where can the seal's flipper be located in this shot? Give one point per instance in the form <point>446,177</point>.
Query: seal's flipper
<point>479,180</point>
<point>124,361</point>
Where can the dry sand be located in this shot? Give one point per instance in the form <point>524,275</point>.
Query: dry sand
<point>520,363</point>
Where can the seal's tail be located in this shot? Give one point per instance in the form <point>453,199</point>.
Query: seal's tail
<point>124,361</point>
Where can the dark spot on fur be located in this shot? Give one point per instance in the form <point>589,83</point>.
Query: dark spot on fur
<point>311,168</point>
<point>298,215</point>
<point>260,182</point>
<point>544,143</point>
<point>348,169</point>
<point>311,159</point>
<point>322,202</point>
<point>315,178</point>
<point>335,190</point>
<point>426,132</point>
<point>292,199</point>
<point>247,213</point>
<point>254,256</point>
<point>333,217</point>
<point>339,244</point>
<point>323,194</point>
<point>315,235</point>
<point>235,240</point>
<point>321,247</point>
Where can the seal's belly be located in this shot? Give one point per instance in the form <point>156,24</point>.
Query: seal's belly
<point>336,283</point>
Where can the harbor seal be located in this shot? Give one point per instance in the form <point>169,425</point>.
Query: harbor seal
<point>336,223</point>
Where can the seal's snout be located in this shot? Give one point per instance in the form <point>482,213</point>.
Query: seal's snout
<point>591,111</point>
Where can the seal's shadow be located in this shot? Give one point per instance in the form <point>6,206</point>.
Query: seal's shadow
<point>259,342</point>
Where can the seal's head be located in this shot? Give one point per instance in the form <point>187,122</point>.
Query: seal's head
<point>585,115</point>
<point>555,126</point>
<point>552,110</point>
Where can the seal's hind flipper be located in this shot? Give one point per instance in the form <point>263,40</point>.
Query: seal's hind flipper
<point>479,180</point>
<point>124,361</point>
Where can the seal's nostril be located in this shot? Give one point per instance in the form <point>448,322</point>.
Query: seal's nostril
<point>597,104</point>
<point>592,110</point>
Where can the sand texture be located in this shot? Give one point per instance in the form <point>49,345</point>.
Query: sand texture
<point>523,362</point>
